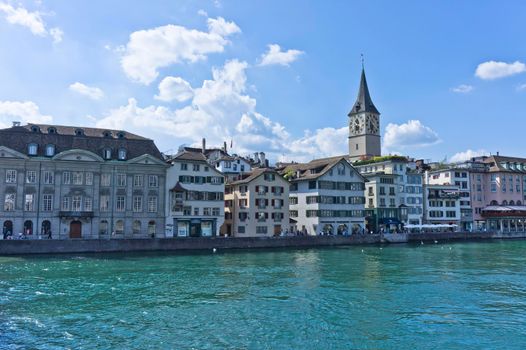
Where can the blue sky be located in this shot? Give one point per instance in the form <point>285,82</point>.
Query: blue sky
<point>449,77</point>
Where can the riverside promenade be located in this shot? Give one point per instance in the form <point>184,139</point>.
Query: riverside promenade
<point>45,246</point>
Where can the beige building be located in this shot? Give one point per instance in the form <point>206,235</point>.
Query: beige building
<point>257,205</point>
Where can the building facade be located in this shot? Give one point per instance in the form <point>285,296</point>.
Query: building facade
<point>257,205</point>
<point>195,197</point>
<point>441,204</point>
<point>68,182</point>
<point>326,196</point>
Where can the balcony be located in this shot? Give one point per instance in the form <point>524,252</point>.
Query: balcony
<point>75,214</point>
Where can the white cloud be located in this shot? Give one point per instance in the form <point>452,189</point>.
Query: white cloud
<point>92,92</point>
<point>31,20</point>
<point>521,87</point>
<point>462,89</point>
<point>493,70</point>
<point>149,50</point>
<point>202,12</point>
<point>174,88</point>
<point>410,134</point>
<point>274,55</point>
<point>221,110</point>
<point>25,112</point>
<point>467,155</point>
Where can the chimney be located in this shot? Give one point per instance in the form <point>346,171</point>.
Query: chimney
<point>16,123</point>
<point>256,157</point>
<point>224,147</point>
<point>497,153</point>
<point>203,149</point>
<point>262,158</point>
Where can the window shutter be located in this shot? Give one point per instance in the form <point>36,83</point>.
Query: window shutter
<point>266,215</point>
<point>266,201</point>
<point>257,188</point>
<point>273,202</point>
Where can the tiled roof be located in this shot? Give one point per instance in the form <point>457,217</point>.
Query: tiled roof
<point>190,156</point>
<point>255,174</point>
<point>66,138</point>
<point>495,163</point>
<point>315,168</point>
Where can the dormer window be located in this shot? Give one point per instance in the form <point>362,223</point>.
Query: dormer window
<point>106,134</point>
<point>79,132</point>
<point>121,134</point>
<point>122,154</point>
<point>51,130</point>
<point>32,149</point>
<point>50,150</point>
<point>35,128</point>
<point>106,153</point>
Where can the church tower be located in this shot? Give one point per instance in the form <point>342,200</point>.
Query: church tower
<point>364,125</point>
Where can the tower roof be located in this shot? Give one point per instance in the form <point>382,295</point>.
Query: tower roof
<point>363,100</point>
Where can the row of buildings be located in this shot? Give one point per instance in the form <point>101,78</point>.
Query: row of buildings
<point>75,182</point>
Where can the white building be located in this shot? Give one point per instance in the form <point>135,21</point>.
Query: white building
<point>195,198</point>
<point>233,167</point>
<point>441,204</point>
<point>326,195</point>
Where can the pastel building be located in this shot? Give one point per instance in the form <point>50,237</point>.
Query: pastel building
<point>441,204</point>
<point>195,196</point>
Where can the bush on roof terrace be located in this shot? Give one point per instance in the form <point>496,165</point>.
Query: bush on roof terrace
<point>379,159</point>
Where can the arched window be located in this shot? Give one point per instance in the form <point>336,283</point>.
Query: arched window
<point>79,132</point>
<point>46,228</point>
<point>494,203</point>
<point>136,227</point>
<point>504,202</point>
<point>51,130</point>
<point>151,228</point>
<point>106,153</point>
<point>519,203</point>
<point>103,227</point>
<point>512,203</point>
<point>121,135</point>
<point>50,150</point>
<point>28,227</point>
<point>119,227</point>
<point>122,154</point>
<point>35,128</point>
<point>32,149</point>
<point>106,134</point>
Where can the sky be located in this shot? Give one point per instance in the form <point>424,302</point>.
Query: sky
<point>449,77</point>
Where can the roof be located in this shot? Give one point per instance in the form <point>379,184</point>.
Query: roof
<point>315,168</point>
<point>257,172</point>
<point>190,156</point>
<point>495,163</point>
<point>363,100</point>
<point>66,138</point>
<point>178,188</point>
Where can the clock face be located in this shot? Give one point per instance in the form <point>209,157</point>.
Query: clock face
<point>372,124</point>
<point>357,125</point>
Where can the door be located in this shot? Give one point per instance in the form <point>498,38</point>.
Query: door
<point>75,229</point>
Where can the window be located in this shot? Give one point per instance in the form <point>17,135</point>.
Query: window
<point>312,185</point>
<point>196,211</point>
<point>120,204</point>
<point>76,203</point>
<point>152,204</point>
<point>293,200</point>
<point>48,177</point>
<point>104,202</point>
<point>122,154</point>
<point>119,227</point>
<point>106,153</point>
<point>50,150</point>
<point>66,177</point>
<point>207,211</point>
<point>184,166</point>
<point>136,229</point>
<point>241,229</point>
<point>196,167</point>
<point>28,202</point>
<point>151,228</point>
<point>105,179</point>
<point>121,180</point>
<point>32,149</point>
<point>47,202</point>
<point>153,181</point>
<point>77,178</point>
<point>137,180</point>
<point>31,177</point>
<point>89,179</point>
<point>10,176</point>
<point>65,203</point>
<point>103,227</point>
<point>79,132</point>
<point>261,230</point>
<point>88,204</point>
<point>216,211</point>
<point>9,202</point>
<point>121,134</point>
<point>137,204</point>
<point>51,130</point>
<point>269,177</point>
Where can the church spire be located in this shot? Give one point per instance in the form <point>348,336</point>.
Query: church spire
<point>363,101</point>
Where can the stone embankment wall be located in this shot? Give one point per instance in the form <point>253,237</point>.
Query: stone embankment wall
<point>44,246</point>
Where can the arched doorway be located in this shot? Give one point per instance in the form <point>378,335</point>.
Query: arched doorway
<point>343,230</point>
<point>151,228</point>
<point>28,227</point>
<point>327,229</point>
<point>75,229</point>
<point>46,228</point>
<point>136,227</point>
<point>7,229</point>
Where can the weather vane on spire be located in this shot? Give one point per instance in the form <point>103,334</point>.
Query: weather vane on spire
<point>362,59</point>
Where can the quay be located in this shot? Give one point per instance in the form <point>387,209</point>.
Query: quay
<point>68,246</point>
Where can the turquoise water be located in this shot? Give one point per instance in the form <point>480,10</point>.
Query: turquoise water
<point>443,296</point>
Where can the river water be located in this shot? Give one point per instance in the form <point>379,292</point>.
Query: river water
<point>432,296</point>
